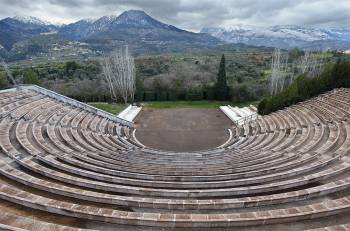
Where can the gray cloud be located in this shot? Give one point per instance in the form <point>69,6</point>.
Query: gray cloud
<point>191,14</point>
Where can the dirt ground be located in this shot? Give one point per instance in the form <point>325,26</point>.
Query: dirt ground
<point>182,129</point>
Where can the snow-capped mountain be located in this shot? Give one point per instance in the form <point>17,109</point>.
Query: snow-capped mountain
<point>131,19</point>
<point>138,18</point>
<point>137,29</point>
<point>280,36</point>
<point>19,28</point>
<point>145,34</point>
<point>31,20</point>
<point>86,27</point>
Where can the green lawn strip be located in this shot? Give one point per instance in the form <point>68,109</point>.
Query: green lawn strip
<point>194,104</point>
<point>108,107</point>
<point>116,108</point>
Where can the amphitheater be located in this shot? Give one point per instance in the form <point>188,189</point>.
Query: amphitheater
<point>67,166</point>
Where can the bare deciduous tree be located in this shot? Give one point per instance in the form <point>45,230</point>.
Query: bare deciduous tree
<point>119,71</point>
<point>311,63</point>
<point>283,73</point>
<point>279,69</point>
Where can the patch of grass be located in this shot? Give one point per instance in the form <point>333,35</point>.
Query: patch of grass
<point>109,107</point>
<point>194,104</point>
<point>116,108</point>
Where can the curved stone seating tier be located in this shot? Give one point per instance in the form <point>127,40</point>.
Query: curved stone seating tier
<point>7,98</point>
<point>288,166</point>
<point>290,120</point>
<point>87,163</point>
<point>125,163</point>
<point>112,187</point>
<point>106,159</point>
<point>42,109</point>
<point>178,204</point>
<point>341,105</point>
<point>94,123</point>
<point>46,115</point>
<point>344,227</point>
<point>324,115</point>
<point>85,122</point>
<point>96,161</point>
<point>282,124</point>
<point>180,185</point>
<point>13,222</point>
<point>243,170</point>
<point>78,118</point>
<point>143,152</point>
<point>68,117</point>
<point>171,220</point>
<point>338,112</point>
<point>8,108</point>
<point>300,121</point>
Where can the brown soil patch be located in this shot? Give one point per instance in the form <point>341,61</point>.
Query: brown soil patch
<point>182,129</point>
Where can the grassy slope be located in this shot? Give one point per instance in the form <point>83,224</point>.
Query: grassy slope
<point>116,108</point>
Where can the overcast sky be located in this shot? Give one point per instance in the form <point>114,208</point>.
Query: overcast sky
<point>191,14</point>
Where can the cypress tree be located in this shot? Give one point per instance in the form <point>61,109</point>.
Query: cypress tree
<point>221,84</point>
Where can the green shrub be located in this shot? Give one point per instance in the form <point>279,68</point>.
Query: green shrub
<point>3,80</point>
<point>194,94</point>
<point>149,96</point>
<point>209,93</point>
<point>161,96</point>
<point>31,77</point>
<point>172,95</point>
<point>139,96</point>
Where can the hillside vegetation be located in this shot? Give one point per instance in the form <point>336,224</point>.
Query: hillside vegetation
<point>169,77</point>
<point>333,76</point>
<point>173,77</point>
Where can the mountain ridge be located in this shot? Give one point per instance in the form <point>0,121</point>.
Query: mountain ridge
<point>128,19</point>
<point>134,27</point>
<point>147,35</point>
<point>282,36</point>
